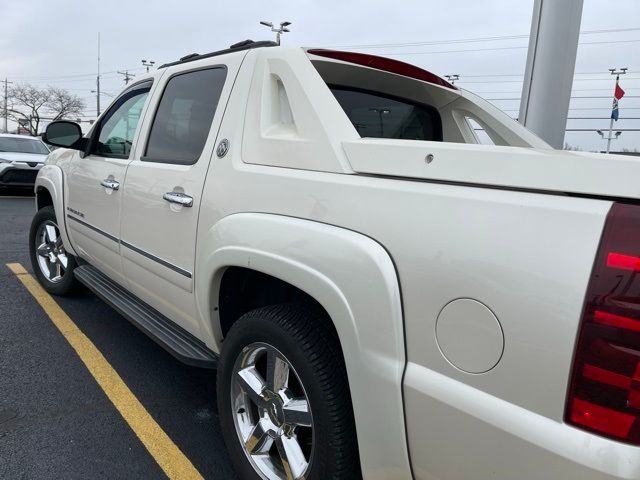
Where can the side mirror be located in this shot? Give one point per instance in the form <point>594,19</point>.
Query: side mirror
<point>63,133</point>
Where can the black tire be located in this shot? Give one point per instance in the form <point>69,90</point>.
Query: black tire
<point>68,282</point>
<point>304,335</point>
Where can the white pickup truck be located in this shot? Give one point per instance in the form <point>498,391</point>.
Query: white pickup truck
<point>383,295</point>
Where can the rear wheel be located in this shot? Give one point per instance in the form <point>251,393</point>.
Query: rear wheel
<point>51,263</point>
<point>284,399</point>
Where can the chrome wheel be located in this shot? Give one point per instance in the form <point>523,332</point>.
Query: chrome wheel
<point>272,414</point>
<point>52,258</point>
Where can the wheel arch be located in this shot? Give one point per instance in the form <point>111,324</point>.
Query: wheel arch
<point>244,289</point>
<point>43,197</point>
<point>49,190</point>
<point>353,279</point>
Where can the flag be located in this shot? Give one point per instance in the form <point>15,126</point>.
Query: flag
<point>617,95</point>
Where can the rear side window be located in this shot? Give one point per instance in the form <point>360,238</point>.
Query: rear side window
<point>379,116</point>
<point>184,115</point>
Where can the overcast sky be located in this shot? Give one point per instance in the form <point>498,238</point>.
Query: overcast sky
<point>48,42</point>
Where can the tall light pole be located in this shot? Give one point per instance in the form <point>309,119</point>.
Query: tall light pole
<point>147,64</point>
<point>98,81</point>
<point>6,104</point>
<point>617,73</point>
<point>278,30</point>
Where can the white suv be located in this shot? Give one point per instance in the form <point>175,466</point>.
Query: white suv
<point>21,157</point>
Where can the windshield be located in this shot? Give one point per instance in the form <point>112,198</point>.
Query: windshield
<point>22,145</point>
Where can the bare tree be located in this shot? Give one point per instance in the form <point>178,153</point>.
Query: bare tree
<point>63,104</point>
<point>29,105</point>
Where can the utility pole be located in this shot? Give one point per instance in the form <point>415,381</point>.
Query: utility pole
<point>98,81</point>
<point>278,30</point>
<point>617,73</point>
<point>127,76</point>
<point>147,64</point>
<point>453,78</point>
<point>6,104</point>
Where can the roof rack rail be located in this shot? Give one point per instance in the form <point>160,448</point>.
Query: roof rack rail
<point>236,47</point>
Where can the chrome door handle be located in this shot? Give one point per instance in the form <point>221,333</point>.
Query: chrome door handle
<point>112,184</point>
<point>179,198</point>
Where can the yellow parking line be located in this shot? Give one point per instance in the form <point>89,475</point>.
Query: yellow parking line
<point>168,456</point>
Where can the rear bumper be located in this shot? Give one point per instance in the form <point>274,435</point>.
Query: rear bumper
<point>458,432</point>
<point>18,175</point>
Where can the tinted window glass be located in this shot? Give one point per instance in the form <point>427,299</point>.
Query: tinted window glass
<point>120,123</point>
<point>183,119</point>
<point>22,145</point>
<point>379,116</point>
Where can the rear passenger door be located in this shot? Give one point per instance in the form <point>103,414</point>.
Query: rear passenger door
<point>164,186</point>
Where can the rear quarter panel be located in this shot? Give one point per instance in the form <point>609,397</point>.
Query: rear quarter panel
<point>526,256</point>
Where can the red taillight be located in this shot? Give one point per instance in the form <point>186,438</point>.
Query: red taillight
<point>604,396</point>
<point>625,262</point>
<point>384,64</point>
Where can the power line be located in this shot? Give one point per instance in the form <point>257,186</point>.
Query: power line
<point>600,96</point>
<point>575,80</point>
<point>395,54</point>
<point>113,74</point>
<point>466,75</point>
<point>601,118</point>
<point>505,92</point>
<point>72,80</point>
<point>92,75</point>
<point>592,130</point>
<point>473,40</point>
<point>584,129</point>
<point>579,108</point>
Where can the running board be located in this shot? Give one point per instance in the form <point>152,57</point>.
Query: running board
<point>177,341</point>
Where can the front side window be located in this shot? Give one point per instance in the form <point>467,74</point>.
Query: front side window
<point>380,116</point>
<point>119,124</point>
<point>183,119</point>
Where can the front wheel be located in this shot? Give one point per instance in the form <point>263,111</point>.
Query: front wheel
<point>283,397</point>
<point>52,265</point>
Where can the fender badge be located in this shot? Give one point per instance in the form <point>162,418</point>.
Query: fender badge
<point>223,148</point>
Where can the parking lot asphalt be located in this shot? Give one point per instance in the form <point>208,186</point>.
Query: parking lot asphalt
<point>55,420</point>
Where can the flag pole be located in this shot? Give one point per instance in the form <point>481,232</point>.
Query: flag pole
<point>611,121</point>
<point>614,105</point>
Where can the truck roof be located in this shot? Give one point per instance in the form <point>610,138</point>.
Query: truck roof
<point>236,47</point>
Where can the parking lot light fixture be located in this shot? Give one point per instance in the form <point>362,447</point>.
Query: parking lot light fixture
<point>283,28</point>
<point>148,63</point>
